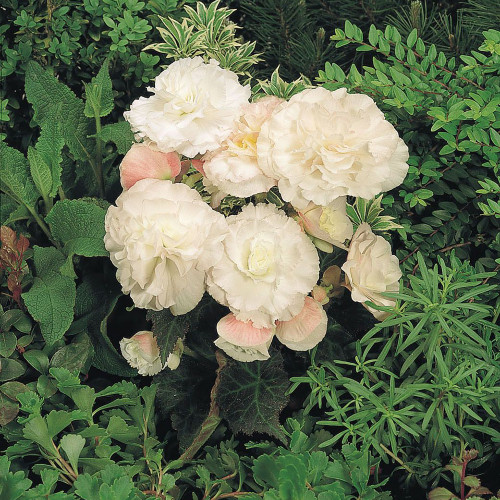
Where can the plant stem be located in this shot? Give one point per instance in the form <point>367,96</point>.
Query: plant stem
<point>213,419</point>
<point>40,222</point>
<point>398,460</point>
<point>98,173</point>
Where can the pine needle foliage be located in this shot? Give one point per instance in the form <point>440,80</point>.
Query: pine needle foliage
<point>423,384</point>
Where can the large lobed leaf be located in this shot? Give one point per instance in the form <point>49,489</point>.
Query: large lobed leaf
<point>252,395</point>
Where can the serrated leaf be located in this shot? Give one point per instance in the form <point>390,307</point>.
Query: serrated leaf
<point>252,395</point>
<point>73,445</point>
<point>87,487</point>
<point>50,144</point>
<point>119,133</point>
<point>58,420</point>
<point>40,172</point>
<point>48,97</point>
<point>79,225</point>
<point>36,430</point>
<point>51,298</point>
<point>167,329</point>
<point>13,485</point>
<point>15,178</point>
<point>99,94</point>
<point>119,429</point>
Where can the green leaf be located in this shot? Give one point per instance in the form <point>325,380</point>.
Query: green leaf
<point>167,329</point>
<point>119,429</point>
<point>252,395</point>
<point>36,430</point>
<point>10,369</point>
<point>73,445</point>
<point>45,92</point>
<point>51,298</point>
<point>50,144</point>
<point>40,172</point>
<point>441,494</point>
<point>120,134</point>
<point>38,360</point>
<point>12,485</point>
<point>58,420</point>
<point>412,38</point>
<point>95,301</point>
<point>87,487</point>
<point>184,396</point>
<point>75,355</point>
<point>79,225</point>
<point>99,93</point>
<point>15,178</point>
<point>8,342</point>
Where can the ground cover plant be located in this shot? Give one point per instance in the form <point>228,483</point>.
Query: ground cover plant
<point>191,309</point>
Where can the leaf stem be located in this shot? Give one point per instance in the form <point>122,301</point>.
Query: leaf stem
<point>398,460</point>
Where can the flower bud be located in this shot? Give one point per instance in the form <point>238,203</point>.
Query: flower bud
<point>141,352</point>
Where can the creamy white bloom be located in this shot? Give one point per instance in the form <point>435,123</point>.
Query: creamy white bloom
<point>162,237</point>
<point>267,268</point>
<point>330,223</point>
<point>321,145</point>
<point>371,269</point>
<point>141,352</point>
<point>192,109</point>
<point>233,168</point>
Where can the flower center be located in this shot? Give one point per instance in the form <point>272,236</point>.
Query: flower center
<point>261,258</point>
<point>331,221</point>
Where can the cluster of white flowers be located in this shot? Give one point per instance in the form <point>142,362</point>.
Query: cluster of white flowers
<point>170,246</point>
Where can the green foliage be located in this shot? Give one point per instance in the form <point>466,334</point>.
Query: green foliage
<point>251,396</point>
<point>51,299</point>
<point>75,39</point>
<point>206,32</point>
<point>424,382</point>
<point>370,211</point>
<point>110,451</point>
<point>448,113</point>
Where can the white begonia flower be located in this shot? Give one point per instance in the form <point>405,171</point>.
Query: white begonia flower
<point>233,168</point>
<point>321,145</point>
<point>141,352</point>
<point>330,223</point>
<point>162,237</point>
<point>267,268</point>
<point>245,354</point>
<point>371,269</point>
<point>193,108</point>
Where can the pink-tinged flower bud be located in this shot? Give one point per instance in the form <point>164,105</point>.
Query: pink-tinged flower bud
<point>141,352</point>
<point>142,162</point>
<point>306,330</point>
<point>328,225</point>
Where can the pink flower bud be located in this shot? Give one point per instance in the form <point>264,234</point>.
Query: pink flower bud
<point>142,162</point>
